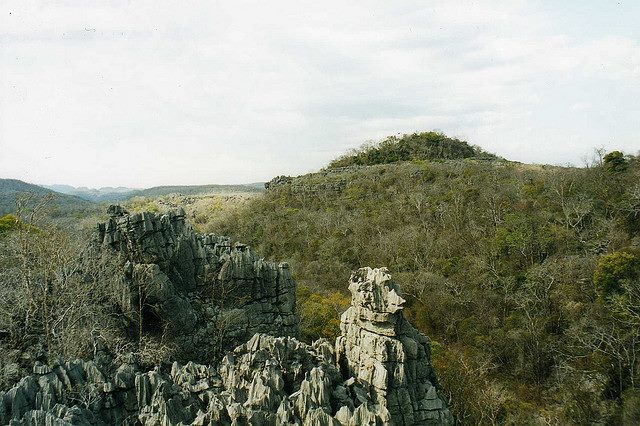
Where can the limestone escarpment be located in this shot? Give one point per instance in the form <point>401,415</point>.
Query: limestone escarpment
<point>198,288</point>
<point>386,354</point>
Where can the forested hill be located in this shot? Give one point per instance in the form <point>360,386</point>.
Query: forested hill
<point>11,189</point>
<point>415,146</point>
<point>526,277</point>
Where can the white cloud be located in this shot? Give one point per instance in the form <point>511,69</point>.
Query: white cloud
<point>142,93</point>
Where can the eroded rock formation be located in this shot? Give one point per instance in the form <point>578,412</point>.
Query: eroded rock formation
<point>386,354</point>
<point>195,286</point>
<point>267,381</point>
<point>378,372</point>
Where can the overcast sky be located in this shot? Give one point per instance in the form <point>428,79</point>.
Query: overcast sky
<point>141,93</point>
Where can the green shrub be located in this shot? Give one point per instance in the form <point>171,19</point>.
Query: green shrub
<point>615,162</point>
<point>612,269</point>
<point>320,313</point>
<point>8,222</point>
<point>412,147</point>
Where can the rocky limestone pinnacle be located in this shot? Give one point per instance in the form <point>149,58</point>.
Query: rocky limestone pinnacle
<point>386,354</point>
<point>193,283</point>
<point>378,372</point>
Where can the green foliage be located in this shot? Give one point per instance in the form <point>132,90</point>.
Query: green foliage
<point>416,146</point>
<point>466,385</point>
<point>143,204</point>
<point>631,407</point>
<point>612,269</point>
<point>496,261</point>
<point>320,313</point>
<point>8,223</point>
<point>615,162</point>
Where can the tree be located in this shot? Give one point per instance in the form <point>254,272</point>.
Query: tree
<point>615,162</point>
<point>612,269</point>
<point>49,296</point>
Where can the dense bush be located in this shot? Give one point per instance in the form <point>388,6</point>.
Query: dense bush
<point>612,269</point>
<point>8,223</point>
<point>320,312</point>
<point>415,146</point>
<point>615,162</point>
<point>499,261</point>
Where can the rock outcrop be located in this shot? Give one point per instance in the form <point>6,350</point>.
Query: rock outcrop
<point>217,298</point>
<point>195,286</point>
<point>267,381</point>
<point>378,373</point>
<point>386,354</point>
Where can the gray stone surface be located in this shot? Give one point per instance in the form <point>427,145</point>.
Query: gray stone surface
<point>377,373</point>
<point>195,287</point>
<point>386,354</point>
<point>266,381</point>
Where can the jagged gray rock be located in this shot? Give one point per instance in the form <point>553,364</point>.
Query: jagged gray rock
<point>267,381</point>
<point>197,287</point>
<point>377,373</point>
<point>386,354</point>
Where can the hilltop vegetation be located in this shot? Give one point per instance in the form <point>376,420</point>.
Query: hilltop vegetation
<point>525,277</point>
<point>415,146</point>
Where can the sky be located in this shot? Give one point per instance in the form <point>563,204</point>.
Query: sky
<point>143,93</point>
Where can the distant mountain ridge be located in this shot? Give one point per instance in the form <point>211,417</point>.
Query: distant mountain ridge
<point>11,189</point>
<point>111,194</point>
<point>92,194</point>
<point>68,197</point>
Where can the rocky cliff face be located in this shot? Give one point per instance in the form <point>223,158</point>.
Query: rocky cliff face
<point>211,296</point>
<point>386,354</point>
<point>378,374</point>
<point>197,288</point>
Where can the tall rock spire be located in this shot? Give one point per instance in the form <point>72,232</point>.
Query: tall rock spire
<point>386,354</point>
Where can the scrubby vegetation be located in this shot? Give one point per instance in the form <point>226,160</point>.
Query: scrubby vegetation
<point>49,306</point>
<point>415,146</point>
<point>525,277</point>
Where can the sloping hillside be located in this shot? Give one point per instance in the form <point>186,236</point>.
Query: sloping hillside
<point>525,276</point>
<point>60,204</point>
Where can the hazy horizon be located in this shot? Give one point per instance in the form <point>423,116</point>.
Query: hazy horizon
<point>135,94</point>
